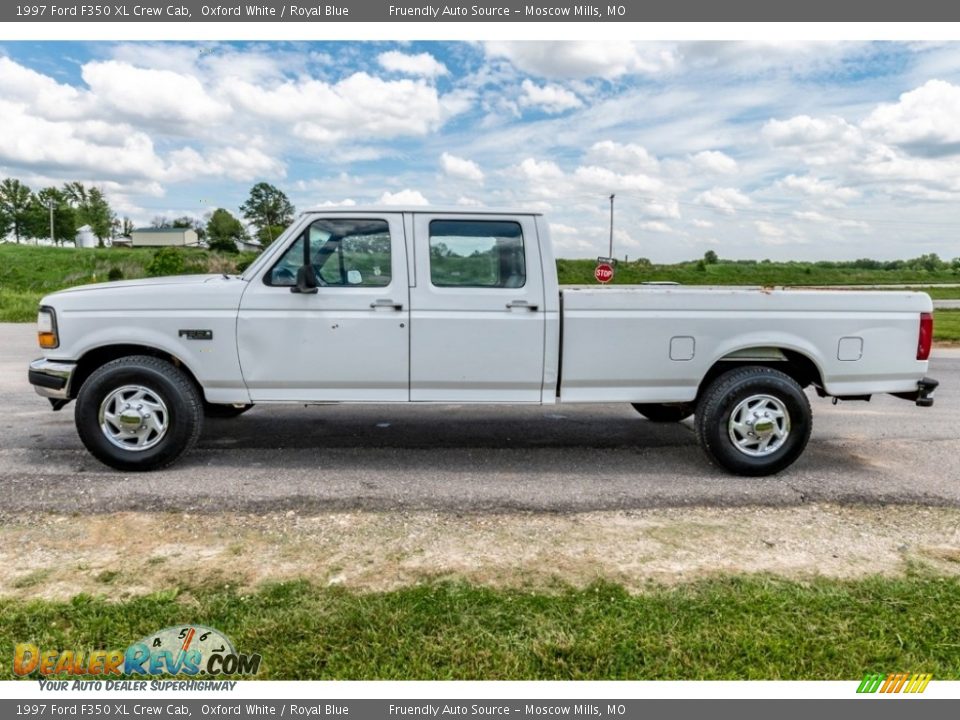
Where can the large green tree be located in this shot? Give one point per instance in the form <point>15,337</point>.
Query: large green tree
<point>6,223</point>
<point>37,223</point>
<point>223,230</point>
<point>269,209</point>
<point>91,208</point>
<point>98,215</point>
<point>15,204</point>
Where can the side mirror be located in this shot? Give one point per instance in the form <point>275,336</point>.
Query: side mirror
<point>306,281</point>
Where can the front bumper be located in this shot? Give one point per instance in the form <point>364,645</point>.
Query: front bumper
<point>51,378</point>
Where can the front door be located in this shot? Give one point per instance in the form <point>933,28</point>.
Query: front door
<point>477,310</point>
<point>348,341</point>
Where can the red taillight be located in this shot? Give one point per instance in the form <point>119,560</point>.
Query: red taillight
<point>926,336</point>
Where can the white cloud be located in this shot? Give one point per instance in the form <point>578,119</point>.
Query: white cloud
<point>806,130</point>
<point>726,200</point>
<point>346,202</point>
<point>40,93</point>
<point>173,100</point>
<point>768,229</point>
<point>605,180</point>
<point>715,161</point>
<point>811,216</point>
<point>702,223</point>
<point>661,209</point>
<point>584,59</point>
<point>622,155</point>
<point>234,163</point>
<point>550,98</point>
<point>539,170</point>
<point>359,106</point>
<point>31,141</point>
<point>924,121</point>
<point>815,187</point>
<point>461,168</point>
<point>404,197</point>
<point>420,65</point>
<point>656,226</point>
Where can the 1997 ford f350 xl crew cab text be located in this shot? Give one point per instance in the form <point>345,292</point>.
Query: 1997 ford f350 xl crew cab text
<point>425,305</point>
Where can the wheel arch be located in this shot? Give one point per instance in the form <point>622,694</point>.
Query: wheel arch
<point>98,356</point>
<point>794,362</point>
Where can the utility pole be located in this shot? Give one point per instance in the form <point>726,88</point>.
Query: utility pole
<point>610,253</point>
<point>50,204</point>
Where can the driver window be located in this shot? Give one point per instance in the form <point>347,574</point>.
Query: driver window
<point>344,253</point>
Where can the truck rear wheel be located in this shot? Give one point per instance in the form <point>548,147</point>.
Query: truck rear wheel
<point>138,413</point>
<point>753,421</point>
<point>664,412</point>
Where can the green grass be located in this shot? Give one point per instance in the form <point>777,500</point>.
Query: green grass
<point>18,306</point>
<point>27,272</point>
<point>946,325</point>
<point>941,293</point>
<point>737,628</point>
<point>580,272</point>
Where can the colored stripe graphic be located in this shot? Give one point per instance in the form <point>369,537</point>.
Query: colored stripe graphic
<point>870,683</point>
<point>894,683</point>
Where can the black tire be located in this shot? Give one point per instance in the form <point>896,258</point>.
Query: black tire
<point>216,410</point>
<point>665,413</point>
<point>724,396</point>
<point>183,416</point>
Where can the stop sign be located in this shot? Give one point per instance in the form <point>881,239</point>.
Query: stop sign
<point>603,273</point>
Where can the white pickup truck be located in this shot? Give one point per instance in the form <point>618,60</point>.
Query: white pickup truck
<point>423,305</point>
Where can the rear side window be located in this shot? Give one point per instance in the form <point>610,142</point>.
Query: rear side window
<point>477,253</point>
<point>344,253</point>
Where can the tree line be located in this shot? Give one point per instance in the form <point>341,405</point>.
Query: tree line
<point>58,212</point>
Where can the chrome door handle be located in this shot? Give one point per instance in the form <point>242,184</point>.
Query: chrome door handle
<point>386,304</point>
<point>522,304</point>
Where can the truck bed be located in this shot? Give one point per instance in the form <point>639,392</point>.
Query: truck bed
<point>655,343</point>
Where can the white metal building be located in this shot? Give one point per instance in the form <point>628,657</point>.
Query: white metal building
<point>155,237</point>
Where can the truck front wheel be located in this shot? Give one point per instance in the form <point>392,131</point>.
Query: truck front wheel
<point>138,413</point>
<point>753,421</point>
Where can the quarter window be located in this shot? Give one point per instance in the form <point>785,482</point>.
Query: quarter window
<point>344,253</point>
<point>477,253</point>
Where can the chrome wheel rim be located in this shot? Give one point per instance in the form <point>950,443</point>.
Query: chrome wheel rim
<point>134,418</point>
<point>759,425</point>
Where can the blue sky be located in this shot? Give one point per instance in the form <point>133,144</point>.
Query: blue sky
<point>817,150</point>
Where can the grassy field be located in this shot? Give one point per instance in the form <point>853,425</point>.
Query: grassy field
<point>27,273</point>
<point>946,326</point>
<point>737,628</point>
<point>577,272</point>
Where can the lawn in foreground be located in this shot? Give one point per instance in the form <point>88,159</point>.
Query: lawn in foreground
<point>734,628</point>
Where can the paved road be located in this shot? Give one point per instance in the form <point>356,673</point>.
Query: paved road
<point>471,459</point>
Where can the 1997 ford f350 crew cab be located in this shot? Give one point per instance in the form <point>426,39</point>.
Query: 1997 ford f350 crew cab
<point>453,306</point>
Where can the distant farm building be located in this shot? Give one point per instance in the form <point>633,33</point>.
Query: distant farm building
<point>156,237</point>
<point>85,237</point>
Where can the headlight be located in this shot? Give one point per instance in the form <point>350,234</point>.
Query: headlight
<point>47,328</point>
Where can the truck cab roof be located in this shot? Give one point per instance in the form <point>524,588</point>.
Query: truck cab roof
<point>431,209</point>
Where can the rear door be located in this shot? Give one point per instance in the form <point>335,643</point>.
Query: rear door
<point>477,309</point>
<point>349,341</point>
